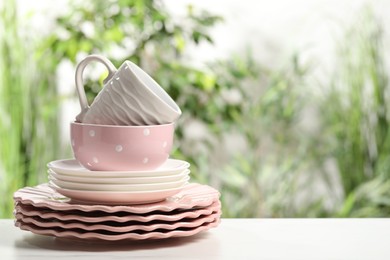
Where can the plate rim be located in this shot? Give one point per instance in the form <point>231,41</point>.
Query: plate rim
<point>191,213</point>
<point>45,196</point>
<point>178,183</point>
<point>184,165</point>
<point>183,173</point>
<point>125,236</point>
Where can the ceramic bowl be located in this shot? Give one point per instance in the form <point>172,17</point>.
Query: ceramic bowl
<point>120,148</point>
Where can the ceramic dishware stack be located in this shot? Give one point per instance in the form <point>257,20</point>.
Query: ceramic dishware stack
<point>44,211</point>
<point>122,183</point>
<point>71,179</point>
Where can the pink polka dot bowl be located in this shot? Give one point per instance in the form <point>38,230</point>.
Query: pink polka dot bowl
<point>121,148</point>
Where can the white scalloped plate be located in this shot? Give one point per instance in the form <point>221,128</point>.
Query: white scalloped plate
<point>192,195</point>
<point>119,217</point>
<point>73,167</point>
<point>120,180</point>
<point>118,227</point>
<point>112,236</point>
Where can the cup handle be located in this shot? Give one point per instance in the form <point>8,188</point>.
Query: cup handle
<point>79,77</point>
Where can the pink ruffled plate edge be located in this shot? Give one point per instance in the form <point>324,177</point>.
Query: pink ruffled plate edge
<point>189,223</point>
<point>64,216</point>
<point>193,195</point>
<point>132,236</point>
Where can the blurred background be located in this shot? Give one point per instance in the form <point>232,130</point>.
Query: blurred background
<point>285,103</point>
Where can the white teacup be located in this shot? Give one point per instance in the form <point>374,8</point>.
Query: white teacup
<point>129,97</point>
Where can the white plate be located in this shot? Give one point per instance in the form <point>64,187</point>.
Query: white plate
<point>118,187</point>
<point>73,167</point>
<point>117,198</point>
<point>119,180</point>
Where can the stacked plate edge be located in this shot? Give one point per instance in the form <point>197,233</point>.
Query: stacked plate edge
<point>71,179</point>
<point>42,210</point>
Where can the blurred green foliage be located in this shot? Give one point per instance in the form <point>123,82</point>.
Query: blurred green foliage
<point>28,110</point>
<point>242,127</point>
<point>141,31</point>
<point>356,123</point>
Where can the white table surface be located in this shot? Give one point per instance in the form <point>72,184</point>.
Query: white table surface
<point>232,239</point>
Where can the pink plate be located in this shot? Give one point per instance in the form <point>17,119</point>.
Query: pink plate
<point>120,180</point>
<point>118,227</point>
<point>118,187</point>
<point>113,236</point>
<point>74,168</point>
<point>192,195</point>
<point>118,217</point>
<point>117,197</point>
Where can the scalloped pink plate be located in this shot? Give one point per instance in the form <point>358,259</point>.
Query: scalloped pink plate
<point>118,217</point>
<point>191,196</point>
<point>113,236</point>
<point>118,227</point>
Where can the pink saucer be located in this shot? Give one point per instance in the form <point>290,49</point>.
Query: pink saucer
<point>117,197</point>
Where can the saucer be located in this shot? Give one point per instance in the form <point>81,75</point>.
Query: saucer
<point>73,167</point>
<point>117,197</point>
<point>119,187</point>
<point>120,180</point>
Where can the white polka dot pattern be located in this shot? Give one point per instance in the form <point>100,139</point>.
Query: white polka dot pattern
<point>146,132</point>
<point>119,148</point>
<point>91,133</point>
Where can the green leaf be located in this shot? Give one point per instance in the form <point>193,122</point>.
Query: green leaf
<point>208,82</point>
<point>114,34</point>
<point>86,46</point>
<point>348,205</point>
<point>179,42</point>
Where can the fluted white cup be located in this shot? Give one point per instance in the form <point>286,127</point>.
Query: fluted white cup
<point>129,97</point>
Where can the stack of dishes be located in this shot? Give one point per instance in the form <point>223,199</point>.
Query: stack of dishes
<point>116,205</point>
<point>71,179</point>
<point>42,210</point>
<point>122,183</point>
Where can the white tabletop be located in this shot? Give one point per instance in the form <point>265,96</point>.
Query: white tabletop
<point>232,239</point>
